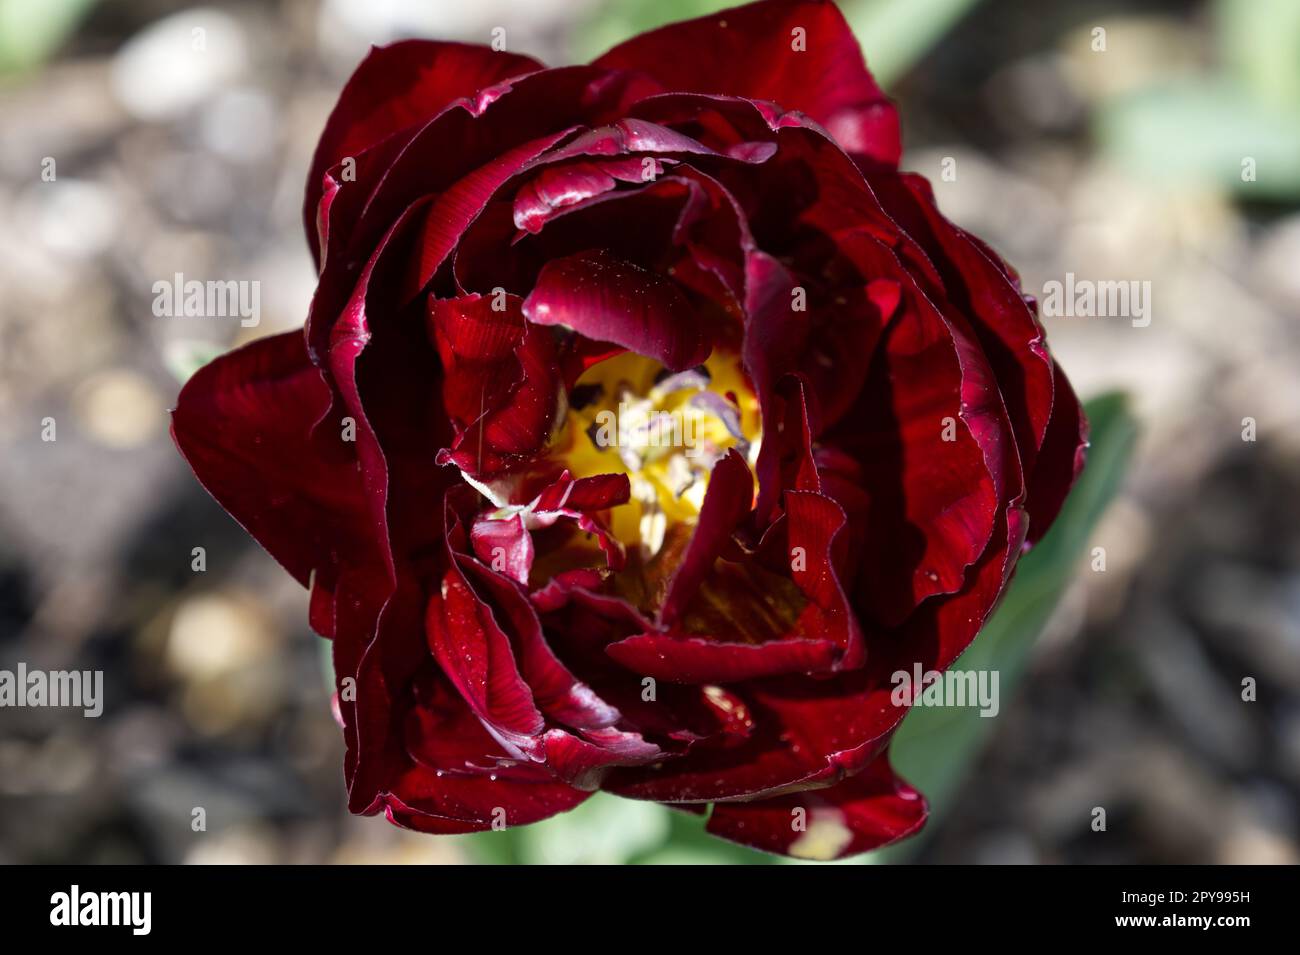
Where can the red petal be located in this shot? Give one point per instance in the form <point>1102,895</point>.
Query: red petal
<point>729,497</point>
<point>1059,460</point>
<point>926,432</point>
<point>863,812</point>
<point>395,88</point>
<point>561,186</point>
<point>505,545</point>
<point>981,290</point>
<point>611,300</point>
<point>457,778</point>
<point>682,658</point>
<point>809,731</point>
<point>751,51</point>
<point>476,656</point>
<point>247,425</point>
<point>458,206</point>
<point>501,381</point>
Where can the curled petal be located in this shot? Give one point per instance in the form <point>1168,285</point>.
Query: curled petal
<point>1060,459</point>
<point>799,54</point>
<point>682,658</point>
<point>501,381</point>
<point>863,812</point>
<point>973,281</point>
<point>247,425</point>
<point>395,88</point>
<point>729,497</point>
<point>611,300</point>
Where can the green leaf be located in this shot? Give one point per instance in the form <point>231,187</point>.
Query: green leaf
<point>935,747</point>
<point>30,30</point>
<point>894,34</point>
<point>1160,133</point>
<point>183,357</point>
<point>623,20</point>
<point>1259,42</point>
<point>604,830</point>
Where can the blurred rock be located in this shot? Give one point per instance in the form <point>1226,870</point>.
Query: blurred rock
<point>119,408</point>
<point>179,61</point>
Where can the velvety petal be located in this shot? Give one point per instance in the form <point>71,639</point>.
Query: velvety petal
<point>247,425</point>
<point>927,433</point>
<point>561,695</point>
<point>509,673</point>
<point>395,88</point>
<point>728,499</point>
<point>803,731</point>
<point>495,254</point>
<point>386,379</point>
<point>501,381</point>
<point>611,300</point>
<point>815,732</point>
<point>816,535</point>
<point>502,121</point>
<point>561,186</point>
<point>1007,329</point>
<point>476,655</point>
<point>502,539</point>
<point>580,623</point>
<point>457,778</point>
<point>755,51</point>
<point>455,208</point>
<point>682,658</point>
<point>536,108</point>
<point>583,759</point>
<point>937,633</point>
<point>788,354</point>
<point>505,545</point>
<point>1060,459</point>
<point>863,812</point>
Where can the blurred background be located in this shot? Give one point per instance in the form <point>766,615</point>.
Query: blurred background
<point>1165,148</point>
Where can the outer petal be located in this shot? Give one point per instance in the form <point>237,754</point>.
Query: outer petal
<point>754,51</point>
<point>861,813</point>
<point>1059,460</point>
<point>395,88</point>
<point>457,778</point>
<point>247,425</point>
<point>916,432</point>
<point>1007,329</point>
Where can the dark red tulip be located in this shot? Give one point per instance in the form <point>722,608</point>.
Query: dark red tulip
<point>682,419</point>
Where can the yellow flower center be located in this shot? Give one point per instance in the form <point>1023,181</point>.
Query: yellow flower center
<point>665,431</point>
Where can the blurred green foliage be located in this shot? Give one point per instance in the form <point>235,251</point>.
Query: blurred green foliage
<point>1236,129</point>
<point>30,30</point>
